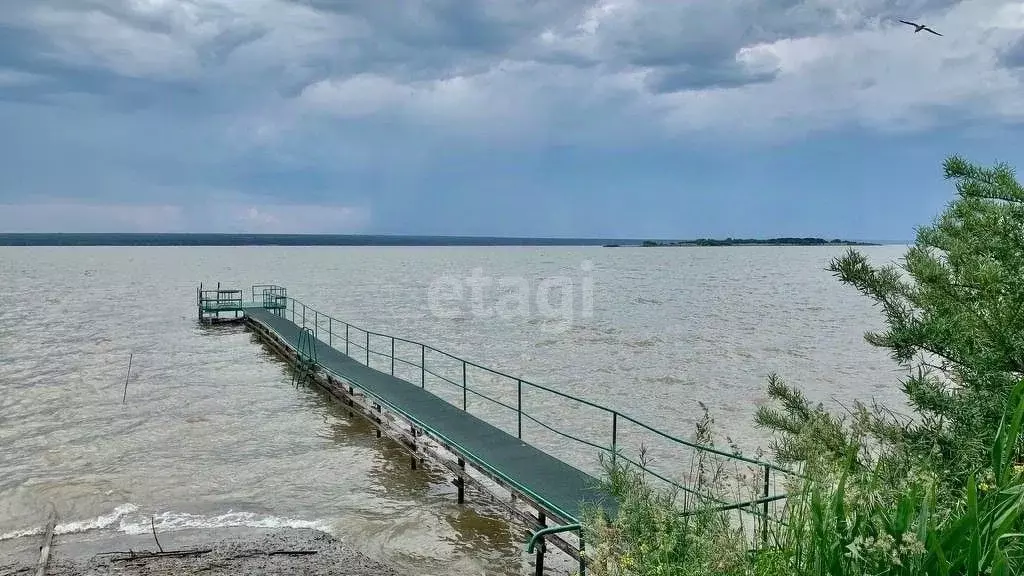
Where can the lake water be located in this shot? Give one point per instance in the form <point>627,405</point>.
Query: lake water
<point>214,434</point>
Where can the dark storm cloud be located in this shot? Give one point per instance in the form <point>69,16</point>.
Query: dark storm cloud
<point>1013,57</point>
<point>721,75</point>
<point>685,45</point>
<point>693,45</point>
<point>487,26</point>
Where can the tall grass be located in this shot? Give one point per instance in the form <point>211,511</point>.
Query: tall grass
<point>839,520</point>
<point>666,530</point>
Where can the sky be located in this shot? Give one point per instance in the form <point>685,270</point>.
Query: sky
<point>555,118</point>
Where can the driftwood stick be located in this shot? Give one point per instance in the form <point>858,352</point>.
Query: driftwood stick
<point>125,397</point>
<point>44,549</point>
<point>133,555</point>
<point>167,554</point>
<point>152,524</point>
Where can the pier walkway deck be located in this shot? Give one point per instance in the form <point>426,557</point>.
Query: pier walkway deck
<point>546,479</point>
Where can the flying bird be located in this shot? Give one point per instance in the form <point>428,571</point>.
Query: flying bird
<point>919,27</point>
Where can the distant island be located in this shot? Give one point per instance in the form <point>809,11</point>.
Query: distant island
<point>758,242</point>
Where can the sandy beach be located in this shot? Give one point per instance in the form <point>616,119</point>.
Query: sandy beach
<point>241,551</point>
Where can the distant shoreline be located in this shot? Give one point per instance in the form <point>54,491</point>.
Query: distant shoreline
<point>168,239</point>
<point>756,242</point>
<point>202,239</point>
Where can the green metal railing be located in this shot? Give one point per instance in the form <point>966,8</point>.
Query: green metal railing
<point>678,463</point>
<point>307,346</point>
<point>307,361</point>
<point>213,300</point>
<point>218,304</point>
<point>269,295</point>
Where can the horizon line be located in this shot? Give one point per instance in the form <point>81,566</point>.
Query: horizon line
<point>8,238</point>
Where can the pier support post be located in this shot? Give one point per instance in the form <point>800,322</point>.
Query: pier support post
<point>413,457</point>
<point>764,511</point>
<point>460,482</point>
<point>539,564</point>
<point>583,556</point>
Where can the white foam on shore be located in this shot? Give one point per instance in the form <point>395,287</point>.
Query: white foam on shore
<point>168,521</point>
<point>127,520</point>
<point>98,523</point>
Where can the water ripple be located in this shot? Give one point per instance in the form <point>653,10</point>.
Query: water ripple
<point>213,432</point>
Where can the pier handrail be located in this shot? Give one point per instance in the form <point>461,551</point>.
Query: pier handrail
<point>301,313</point>
<point>214,297</point>
<point>541,387</point>
<point>540,534</point>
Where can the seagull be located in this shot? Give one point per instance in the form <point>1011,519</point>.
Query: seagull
<point>919,27</point>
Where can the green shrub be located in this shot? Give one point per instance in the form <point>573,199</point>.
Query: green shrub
<point>954,313</point>
<point>940,493</point>
<point>837,522</point>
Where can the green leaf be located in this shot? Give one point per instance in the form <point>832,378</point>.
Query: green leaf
<point>974,529</point>
<point>1008,434</point>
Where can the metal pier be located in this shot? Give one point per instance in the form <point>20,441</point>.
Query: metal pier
<point>362,369</point>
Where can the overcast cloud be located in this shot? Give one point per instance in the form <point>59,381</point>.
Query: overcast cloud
<point>348,116</point>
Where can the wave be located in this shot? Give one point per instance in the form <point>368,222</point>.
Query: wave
<point>180,520</point>
<point>98,523</point>
<point>668,381</point>
<point>127,521</point>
